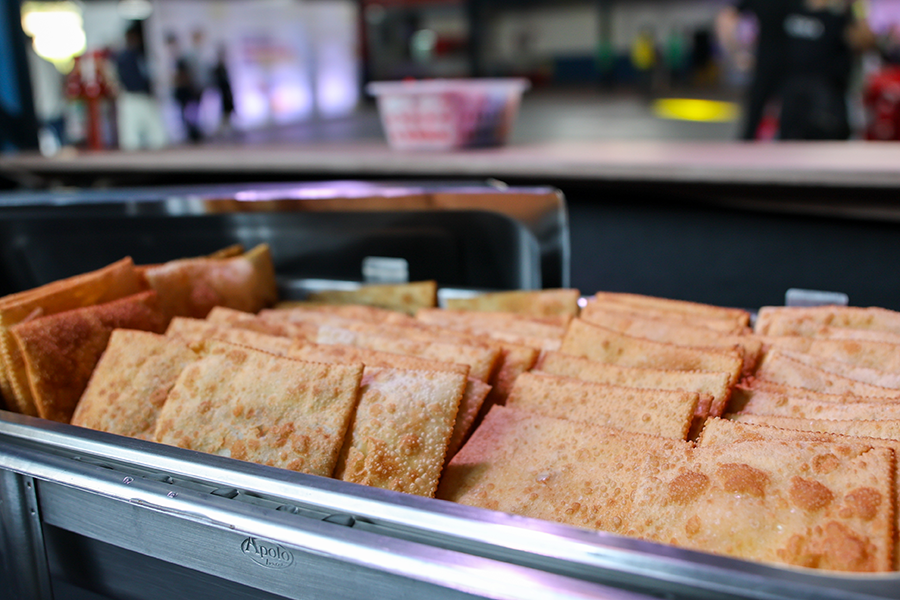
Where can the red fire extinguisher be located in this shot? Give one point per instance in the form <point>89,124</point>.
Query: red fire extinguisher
<point>88,82</point>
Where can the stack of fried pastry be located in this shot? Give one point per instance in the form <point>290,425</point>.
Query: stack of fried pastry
<point>631,460</point>
<point>606,415</point>
<point>51,337</point>
<point>361,393</point>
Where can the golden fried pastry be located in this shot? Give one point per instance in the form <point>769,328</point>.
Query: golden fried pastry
<point>399,434</point>
<point>662,413</point>
<point>787,369</point>
<point>192,287</point>
<point>112,282</point>
<point>714,388</point>
<point>793,320</point>
<point>403,297</point>
<point>131,382</point>
<point>605,345</point>
<point>733,320</point>
<point>254,406</point>
<point>60,351</point>
<point>193,331</point>
<point>471,402</point>
<point>537,303</point>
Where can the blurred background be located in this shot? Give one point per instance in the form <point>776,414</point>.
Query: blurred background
<point>130,74</point>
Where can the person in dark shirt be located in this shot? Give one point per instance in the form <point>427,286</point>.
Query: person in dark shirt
<point>138,116</point>
<point>185,89</point>
<point>222,81</point>
<point>131,62</point>
<point>822,38</point>
<point>768,72</point>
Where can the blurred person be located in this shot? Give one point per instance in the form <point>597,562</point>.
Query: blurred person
<point>139,117</point>
<point>185,90</point>
<point>768,64</point>
<point>201,71</point>
<point>890,45</point>
<point>222,82</point>
<point>704,69</point>
<point>823,37</point>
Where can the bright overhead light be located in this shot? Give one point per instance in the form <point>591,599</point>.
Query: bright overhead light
<point>56,28</point>
<point>135,10</point>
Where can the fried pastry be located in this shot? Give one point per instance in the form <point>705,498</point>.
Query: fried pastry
<point>674,332</point>
<point>605,345</point>
<point>404,297</point>
<point>131,382</point>
<point>732,319</point>
<point>786,369</point>
<point>472,400</point>
<point>192,287</point>
<point>254,406</point>
<point>793,320</point>
<point>193,331</point>
<point>112,282</point>
<point>537,303</point>
<point>399,434</point>
<point>714,388</point>
<point>888,430</point>
<point>662,413</point>
<point>60,351</point>
<point>723,431</point>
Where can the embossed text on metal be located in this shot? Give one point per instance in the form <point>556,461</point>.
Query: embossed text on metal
<point>267,554</point>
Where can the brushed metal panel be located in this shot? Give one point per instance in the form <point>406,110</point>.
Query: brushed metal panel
<point>23,570</point>
<point>181,483</point>
<point>299,570</point>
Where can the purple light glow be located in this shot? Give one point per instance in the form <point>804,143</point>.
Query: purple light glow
<point>335,189</point>
<point>883,15</point>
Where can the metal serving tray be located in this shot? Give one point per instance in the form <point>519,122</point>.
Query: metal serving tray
<point>475,236</point>
<point>89,515</point>
<point>125,518</point>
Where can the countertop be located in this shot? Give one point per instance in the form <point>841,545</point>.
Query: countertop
<point>840,164</point>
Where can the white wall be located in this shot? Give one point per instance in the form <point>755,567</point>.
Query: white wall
<point>289,60</point>
<point>575,29</point>
<point>544,31</point>
<point>661,17</point>
<point>103,27</point>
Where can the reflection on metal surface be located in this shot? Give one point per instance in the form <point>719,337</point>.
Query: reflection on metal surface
<point>801,297</point>
<point>467,235</point>
<point>381,269</point>
<point>448,545</point>
<point>212,534</point>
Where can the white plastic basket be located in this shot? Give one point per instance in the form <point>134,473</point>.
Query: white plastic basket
<point>443,114</point>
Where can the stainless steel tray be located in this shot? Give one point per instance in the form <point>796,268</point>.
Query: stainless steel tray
<point>475,235</point>
<point>301,536</point>
<point>90,515</point>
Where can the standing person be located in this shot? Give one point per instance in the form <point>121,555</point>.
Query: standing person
<point>185,90</point>
<point>768,71</point>
<point>200,69</point>
<point>823,37</point>
<point>138,116</point>
<point>223,82</point>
